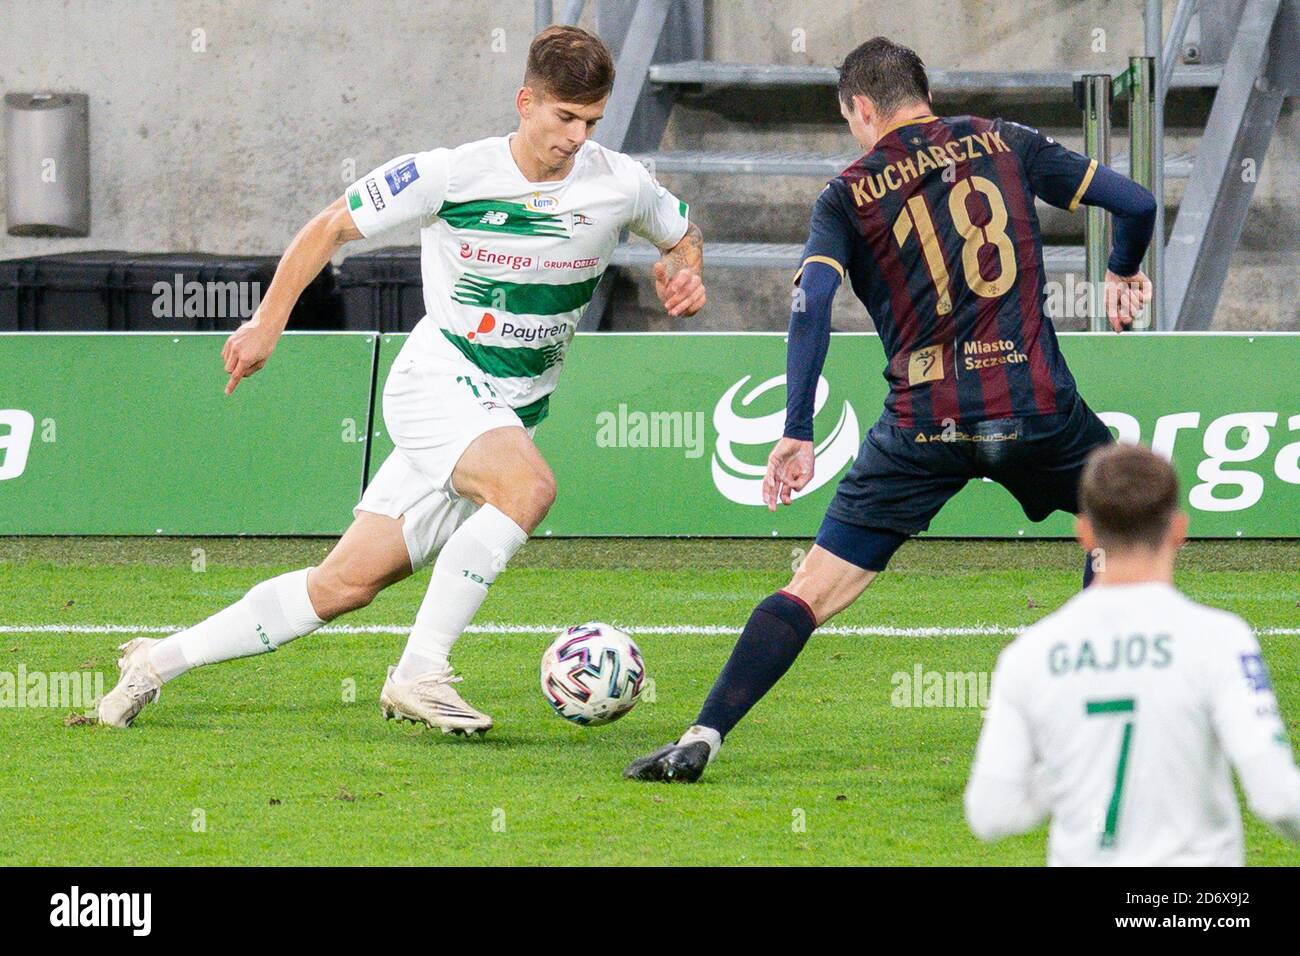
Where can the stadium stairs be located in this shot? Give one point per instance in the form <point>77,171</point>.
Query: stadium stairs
<point>750,145</point>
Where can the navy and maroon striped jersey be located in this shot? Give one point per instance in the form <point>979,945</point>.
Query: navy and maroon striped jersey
<point>935,228</point>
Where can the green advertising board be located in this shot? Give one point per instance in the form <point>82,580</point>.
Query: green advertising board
<point>668,434</point>
<point>649,434</point>
<point>133,434</point>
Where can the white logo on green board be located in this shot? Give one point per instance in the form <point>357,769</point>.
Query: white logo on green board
<point>1233,439</point>
<point>741,481</point>
<point>16,428</point>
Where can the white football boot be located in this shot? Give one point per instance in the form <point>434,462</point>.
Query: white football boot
<point>138,685</point>
<point>431,700</point>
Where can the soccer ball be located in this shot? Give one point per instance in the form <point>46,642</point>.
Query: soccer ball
<point>592,674</point>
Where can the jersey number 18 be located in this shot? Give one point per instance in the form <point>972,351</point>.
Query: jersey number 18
<point>916,215</point>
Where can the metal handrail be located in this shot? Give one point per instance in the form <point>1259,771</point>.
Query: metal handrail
<point>1142,162</point>
<point>1166,57</point>
<point>1174,42</point>
<point>1094,101</point>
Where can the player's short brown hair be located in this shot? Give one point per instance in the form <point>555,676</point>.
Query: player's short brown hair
<point>887,73</point>
<point>1129,494</point>
<point>570,65</point>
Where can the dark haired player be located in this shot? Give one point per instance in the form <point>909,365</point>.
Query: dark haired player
<point>1120,714</point>
<point>515,232</point>
<point>936,231</point>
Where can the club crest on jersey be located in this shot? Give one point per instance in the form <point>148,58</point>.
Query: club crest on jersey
<point>925,365</point>
<point>401,176</point>
<point>539,203</point>
<point>580,220</point>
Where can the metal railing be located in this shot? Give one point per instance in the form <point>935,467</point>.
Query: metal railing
<point>1165,60</point>
<point>1143,167</point>
<point>1094,93</point>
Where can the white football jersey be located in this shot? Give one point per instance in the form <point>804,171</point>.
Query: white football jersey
<point>1122,714</point>
<point>508,265</point>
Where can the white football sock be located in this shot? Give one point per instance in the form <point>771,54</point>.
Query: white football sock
<point>697,733</point>
<point>270,615</point>
<point>467,565</point>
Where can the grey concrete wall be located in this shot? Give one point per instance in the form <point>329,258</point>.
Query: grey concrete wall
<point>232,148</point>
<point>229,149</point>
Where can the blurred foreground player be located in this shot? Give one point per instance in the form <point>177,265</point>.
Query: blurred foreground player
<point>1120,714</point>
<point>936,231</point>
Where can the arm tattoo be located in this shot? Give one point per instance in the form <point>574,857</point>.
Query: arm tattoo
<point>687,254</point>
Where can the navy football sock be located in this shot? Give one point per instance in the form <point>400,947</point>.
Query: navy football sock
<point>1087,569</point>
<point>775,634</point>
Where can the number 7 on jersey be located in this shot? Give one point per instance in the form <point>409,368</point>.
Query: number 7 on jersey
<point>1115,705</point>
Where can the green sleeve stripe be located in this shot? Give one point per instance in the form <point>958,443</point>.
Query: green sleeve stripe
<point>524,298</point>
<point>505,362</point>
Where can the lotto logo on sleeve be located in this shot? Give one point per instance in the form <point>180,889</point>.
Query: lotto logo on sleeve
<point>401,176</point>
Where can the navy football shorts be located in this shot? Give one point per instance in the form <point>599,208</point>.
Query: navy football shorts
<point>903,476</point>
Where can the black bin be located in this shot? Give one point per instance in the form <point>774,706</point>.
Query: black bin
<point>167,292</point>
<point>71,292</point>
<point>381,290</point>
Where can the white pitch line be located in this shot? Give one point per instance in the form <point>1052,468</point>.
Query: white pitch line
<point>493,628</point>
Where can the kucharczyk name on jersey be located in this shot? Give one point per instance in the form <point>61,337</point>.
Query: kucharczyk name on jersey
<point>899,173</point>
<point>508,265</point>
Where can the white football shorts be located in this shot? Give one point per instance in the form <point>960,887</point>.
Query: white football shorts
<point>434,408</point>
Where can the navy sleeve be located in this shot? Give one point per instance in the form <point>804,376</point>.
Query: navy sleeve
<point>807,341</point>
<point>830,233</point>
<point>1056,175</point>
<point>825,256</point>
<point>1134,209</point>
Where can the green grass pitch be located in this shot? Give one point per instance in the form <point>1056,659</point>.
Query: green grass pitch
<point>265,761</point>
